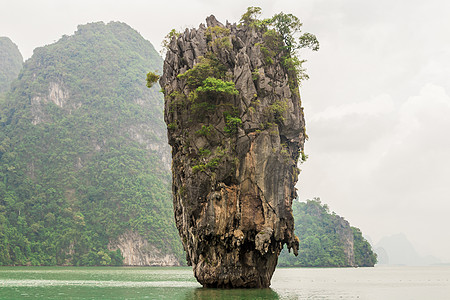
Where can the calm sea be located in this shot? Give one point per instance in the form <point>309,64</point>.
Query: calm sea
<point>179,283</point>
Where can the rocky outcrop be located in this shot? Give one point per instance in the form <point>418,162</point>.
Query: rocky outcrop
<point>236,127</point>
<point>137,251</point>
<point>338,225</point>
<point>343,229</point>
<point>59,95</point>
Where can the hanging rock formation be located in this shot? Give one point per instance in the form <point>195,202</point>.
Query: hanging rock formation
<point>236,127</point>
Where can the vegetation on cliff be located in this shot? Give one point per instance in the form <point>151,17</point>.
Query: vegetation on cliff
<point>10,63</point>
<point>326,240</point>
<point>83,152</point>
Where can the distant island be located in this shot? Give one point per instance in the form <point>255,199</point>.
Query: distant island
<point>326,240</point>
<point>398,250</point>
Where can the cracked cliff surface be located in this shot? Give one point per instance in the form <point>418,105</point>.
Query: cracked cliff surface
<point>236,127</point>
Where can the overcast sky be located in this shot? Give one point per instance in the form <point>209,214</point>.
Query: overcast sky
<point>377,104</point>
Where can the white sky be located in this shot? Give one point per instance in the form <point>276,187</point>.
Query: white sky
<point>377,105</point>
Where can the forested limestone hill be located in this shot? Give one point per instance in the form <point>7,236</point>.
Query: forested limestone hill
<point>10,63</point>
<point>84,160</point>
<point>326,240</point>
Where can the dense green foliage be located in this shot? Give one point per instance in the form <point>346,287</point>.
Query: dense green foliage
<point>10,63</point>
<point>287,26</point>
<point>215,85</point>
<point>152,78</point>
<point>208,67</point>
<point>321,244</point>
<point>282,37</point>
<point>77,169</point>
<point>364,255</point>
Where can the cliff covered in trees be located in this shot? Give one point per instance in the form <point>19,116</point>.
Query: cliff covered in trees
<point>10,63</point>
<point>326,240</point>
<point>84,160</point>
<point>236,127</point>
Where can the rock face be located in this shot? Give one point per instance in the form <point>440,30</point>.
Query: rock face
<point>345,233</point>
<point>236,127</point>
<point>137,251</point>
<point>340,226</point>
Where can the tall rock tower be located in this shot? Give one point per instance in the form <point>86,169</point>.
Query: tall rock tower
<point>236,127</point>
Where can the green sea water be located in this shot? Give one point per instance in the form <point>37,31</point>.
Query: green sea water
<point>179,283</point>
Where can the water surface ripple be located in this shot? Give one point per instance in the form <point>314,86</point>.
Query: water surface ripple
<point>179,283</point>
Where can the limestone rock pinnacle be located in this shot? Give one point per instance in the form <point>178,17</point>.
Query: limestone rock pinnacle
<point>236,127</point>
